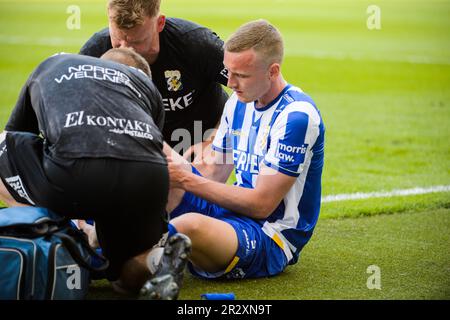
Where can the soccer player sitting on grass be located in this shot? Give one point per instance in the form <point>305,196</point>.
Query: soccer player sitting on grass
<point>272,135</point>
<point>84,141</point>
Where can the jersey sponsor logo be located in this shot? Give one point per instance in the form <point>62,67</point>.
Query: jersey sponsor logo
<point>179,103</point>
<point>16,183</point>
<point>134,128</point>
<point>224,73</point>
<point>288,153</point>
<point>87,71</point>
<point>246,162</point>
<point>173,80</point>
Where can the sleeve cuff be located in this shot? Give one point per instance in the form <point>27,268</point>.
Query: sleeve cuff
<point>222,150</point>
<point>280,169</point>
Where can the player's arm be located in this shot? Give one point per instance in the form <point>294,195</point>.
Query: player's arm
<point>257,203</point>
<point>23,117</point>
<point>205,49</point>
<point>216,166</point>
<point>214,69</point>
<point>200,153</point>
<point>216,160</point>
<point>158,112</point>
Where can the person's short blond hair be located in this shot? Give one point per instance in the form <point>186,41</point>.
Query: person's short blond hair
<point>129,13</point>
<point>128,57</point>
<point>260,36</point>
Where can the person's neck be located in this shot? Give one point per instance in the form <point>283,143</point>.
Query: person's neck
<point>276,88</point>
<point>153,55</point>
<point>151,59</point>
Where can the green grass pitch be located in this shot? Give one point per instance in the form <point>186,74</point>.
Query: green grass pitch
<point>385,100</point>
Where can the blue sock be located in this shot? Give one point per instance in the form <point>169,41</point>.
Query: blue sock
<point>172,230</point>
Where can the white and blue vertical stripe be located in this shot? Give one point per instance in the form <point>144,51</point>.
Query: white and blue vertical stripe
<point>288,136</point>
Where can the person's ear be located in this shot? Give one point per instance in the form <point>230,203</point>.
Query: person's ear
<point>161,22</point>
<point>274,70</point>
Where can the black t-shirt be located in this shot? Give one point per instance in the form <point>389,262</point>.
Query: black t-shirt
<point>187,73</point>
<point>85,107</point>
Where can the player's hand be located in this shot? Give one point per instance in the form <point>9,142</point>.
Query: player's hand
<point>91,233</point>
<point>196,152</point>
<point>177,173</point>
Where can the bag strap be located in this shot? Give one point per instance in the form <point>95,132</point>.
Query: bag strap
<point>71,244</point>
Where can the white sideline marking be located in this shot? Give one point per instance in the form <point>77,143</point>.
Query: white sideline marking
<point>388,194</point>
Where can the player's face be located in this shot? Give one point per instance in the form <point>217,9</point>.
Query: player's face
<point>143,38</point>
<point>248,76</point>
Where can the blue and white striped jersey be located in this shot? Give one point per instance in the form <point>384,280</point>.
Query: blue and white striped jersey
<point>288,136</point>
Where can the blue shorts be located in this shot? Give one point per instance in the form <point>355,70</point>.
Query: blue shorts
<point>257,255</point>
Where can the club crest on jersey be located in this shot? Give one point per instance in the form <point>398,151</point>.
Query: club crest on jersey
<point>263,141</point>
<point>173,80</point>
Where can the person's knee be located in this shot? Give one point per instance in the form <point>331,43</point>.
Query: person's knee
<point>208,252</point>
<point>190,224</point>
<point>133,275</point>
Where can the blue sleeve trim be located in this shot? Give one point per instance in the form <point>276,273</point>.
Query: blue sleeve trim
<point>282,170</point>
<point>222,150</point>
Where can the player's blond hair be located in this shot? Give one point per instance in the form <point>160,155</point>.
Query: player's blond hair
<point>129,57</point>
<point>129,13</point>
<point>260,35</point>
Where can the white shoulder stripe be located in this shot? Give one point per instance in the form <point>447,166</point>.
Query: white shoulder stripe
<point>305,107</point>
<point>229,108</point>
<point>294,88</point>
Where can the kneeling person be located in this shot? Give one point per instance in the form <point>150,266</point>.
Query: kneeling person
<point>84,140</point>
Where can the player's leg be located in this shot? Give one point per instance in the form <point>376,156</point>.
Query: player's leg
<point>242,250</point>
<point>210,252</point>
<point>167,277</point>
<point>127,201</point>
<point>8,199</point>
<point>23,152</point>
<point>133,220</point>
<point>5,195</point>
